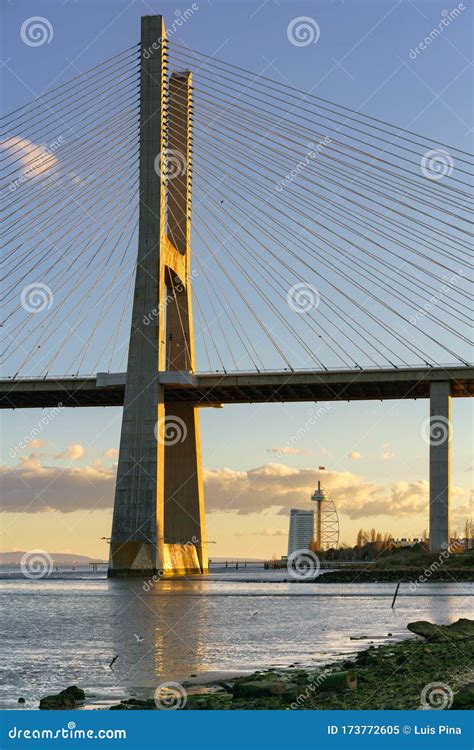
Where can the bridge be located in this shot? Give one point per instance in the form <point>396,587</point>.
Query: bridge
<point>331,260</point>
<point>210,389</point>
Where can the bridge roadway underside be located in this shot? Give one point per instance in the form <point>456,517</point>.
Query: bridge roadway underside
<point>215,389</point>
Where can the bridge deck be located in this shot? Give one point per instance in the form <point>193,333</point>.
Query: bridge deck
<point>214,389</point>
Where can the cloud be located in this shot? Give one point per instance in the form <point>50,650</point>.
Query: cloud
<point>73,452</point>
<point>354,455</point>
<point>279,487</point>
<point>111,453</point>
<point>34,159</point>
<point>32,486</point>
<point>388,455</point>
<point>36,443</point>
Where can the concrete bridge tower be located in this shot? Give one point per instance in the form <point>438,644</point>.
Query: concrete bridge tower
<point>158,522</point>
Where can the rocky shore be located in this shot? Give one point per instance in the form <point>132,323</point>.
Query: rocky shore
<point>404,575</point>
<point>434,670</point>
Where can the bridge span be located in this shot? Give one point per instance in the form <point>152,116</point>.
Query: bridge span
<point>213,389</point>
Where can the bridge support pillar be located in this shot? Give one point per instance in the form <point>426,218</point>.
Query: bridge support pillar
<point>158,524</point>
<point>137,542</point>
<point>440,469</point>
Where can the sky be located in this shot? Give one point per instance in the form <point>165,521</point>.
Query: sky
<point>259,460</point>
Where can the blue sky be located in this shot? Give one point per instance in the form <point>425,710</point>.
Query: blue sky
<point>362,60</point>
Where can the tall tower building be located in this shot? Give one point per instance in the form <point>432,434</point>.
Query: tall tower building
<point>301,532</point>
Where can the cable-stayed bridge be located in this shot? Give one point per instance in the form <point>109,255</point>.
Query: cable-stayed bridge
<point>330,261</point>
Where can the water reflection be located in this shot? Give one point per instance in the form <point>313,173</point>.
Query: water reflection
<point>62,632</point>
<point>160,633</point>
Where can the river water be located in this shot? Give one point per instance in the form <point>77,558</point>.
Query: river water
<point>66,629</point>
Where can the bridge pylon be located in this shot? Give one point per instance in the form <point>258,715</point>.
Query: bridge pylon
<point>159,522</point>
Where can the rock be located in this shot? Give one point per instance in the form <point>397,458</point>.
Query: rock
<point>459,630</point>
<point>132,704</point>
<point>21,700</point>
<point>77,693</point>
<point>65,699</point>
<point>338,681</point>
<point>389,635</point>
<point>464,698</point>
<point>260,688</point>
<point>61,700</point>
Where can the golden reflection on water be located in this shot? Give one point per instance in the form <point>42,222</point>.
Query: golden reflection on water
<point>163,628</point>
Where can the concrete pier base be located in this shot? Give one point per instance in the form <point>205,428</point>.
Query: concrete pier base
<point>440,455</point>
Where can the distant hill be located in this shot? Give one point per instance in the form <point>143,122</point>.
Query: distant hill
<point>61,558</point>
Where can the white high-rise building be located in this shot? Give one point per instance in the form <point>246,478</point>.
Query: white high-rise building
<point>301,532</point>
